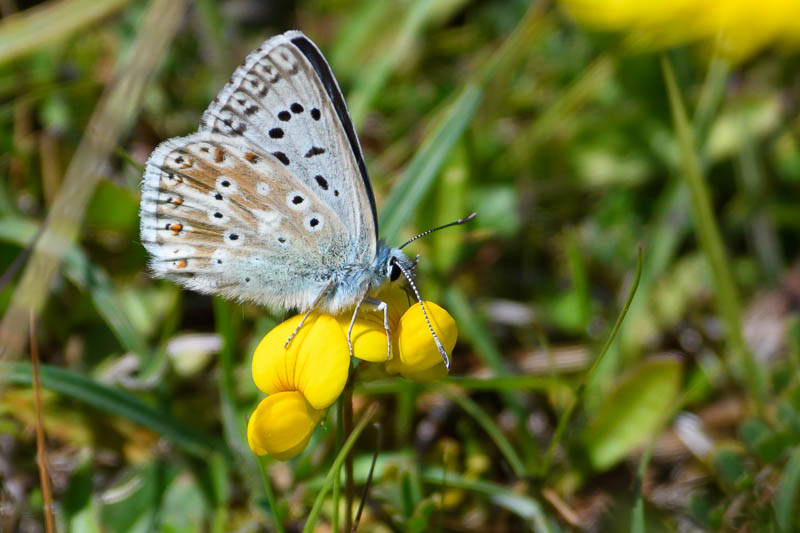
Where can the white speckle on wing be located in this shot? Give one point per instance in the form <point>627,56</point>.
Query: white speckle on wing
<point>262,188</point>
<point>268,221</point>
<point>171,252</point>
<point>219,259</point>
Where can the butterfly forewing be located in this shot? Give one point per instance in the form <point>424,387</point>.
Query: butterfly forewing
<point>276,101</point>
<point>220,216</point>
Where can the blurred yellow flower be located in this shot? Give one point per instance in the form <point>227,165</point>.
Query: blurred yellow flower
<point>303,380</point>
<point>736,28</point>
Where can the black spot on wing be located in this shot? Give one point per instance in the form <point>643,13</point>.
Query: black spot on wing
<point>315,150</point>
<point>281,157</point>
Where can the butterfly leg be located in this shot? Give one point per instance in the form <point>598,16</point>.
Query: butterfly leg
<point>352,323</point>
<point>381,306</point>
<point>305,316</point>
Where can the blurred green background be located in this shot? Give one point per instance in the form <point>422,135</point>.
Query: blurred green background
<point>575,153</point>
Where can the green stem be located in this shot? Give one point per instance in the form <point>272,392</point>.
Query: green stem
<point>337,479</point>
<point>349,488</point>
<point>270,494</point>
<point>337,465</point>
<point>726,295</point>
<point>567,414</point>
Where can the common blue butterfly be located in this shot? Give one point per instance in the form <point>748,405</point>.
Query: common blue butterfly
<point>270,201</point>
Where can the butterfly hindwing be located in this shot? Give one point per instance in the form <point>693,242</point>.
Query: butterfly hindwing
<point>221,216</point>
<point>276,100</point>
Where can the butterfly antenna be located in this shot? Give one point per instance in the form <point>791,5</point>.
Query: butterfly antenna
<point>439,346</point>
<point>454,223</point>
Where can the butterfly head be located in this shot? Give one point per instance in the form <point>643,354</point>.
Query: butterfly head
<point>390,264</point>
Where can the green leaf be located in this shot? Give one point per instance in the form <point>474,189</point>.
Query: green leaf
<point>730,466</point>
<point>117,402</point>
<point>80,510</point>
<point>633,410</point>
<point>420,521</point>
<point>768,444</point>
<point>786,499</point>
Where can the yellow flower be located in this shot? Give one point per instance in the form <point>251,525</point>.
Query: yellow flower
<point>736,28</point>
<point>414,352</point>
<point>301,381</point>
<point>305,379</point>
<point>282,425</point>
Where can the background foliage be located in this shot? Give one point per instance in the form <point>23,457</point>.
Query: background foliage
<point>574,151</point>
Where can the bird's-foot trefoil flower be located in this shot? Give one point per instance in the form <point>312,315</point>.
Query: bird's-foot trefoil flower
<point>305,378</point>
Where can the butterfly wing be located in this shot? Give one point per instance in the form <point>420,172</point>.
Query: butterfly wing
<point>270,199</point>
<point>284,99</point>
<point>223,217</point>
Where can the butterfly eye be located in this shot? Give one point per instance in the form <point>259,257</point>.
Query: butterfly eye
<point>395,273</point>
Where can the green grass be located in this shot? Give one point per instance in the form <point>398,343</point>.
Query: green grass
<point>634,259</point>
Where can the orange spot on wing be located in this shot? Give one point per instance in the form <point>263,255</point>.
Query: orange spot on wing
<point>188,164</point>
<point>176,228</point>
<point>251,157</point>
<point>219,155</point>
<point>181,264</point>
<point>178,201</point>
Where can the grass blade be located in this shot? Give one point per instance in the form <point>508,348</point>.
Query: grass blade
<point>518,503</point>
<point>117,402</point>
<point>424,167</point>
<point>785,508</point>
<point>726,295</point>
<point>567,414</point>
<point>337,466</point>
<point>29,30</point>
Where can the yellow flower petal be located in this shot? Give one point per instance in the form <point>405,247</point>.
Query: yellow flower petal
<point>369,335</point>
<point>282,424</point>
<point>368,338</point>
<point>437,371</point>
<point>316,363</point>
<point>417,356</point>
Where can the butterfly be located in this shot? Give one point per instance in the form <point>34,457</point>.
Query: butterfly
<point>270,201</point>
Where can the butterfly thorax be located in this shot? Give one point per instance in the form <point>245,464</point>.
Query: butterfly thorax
<point>351,285</point>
